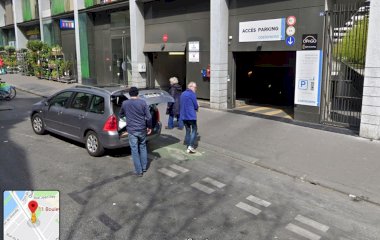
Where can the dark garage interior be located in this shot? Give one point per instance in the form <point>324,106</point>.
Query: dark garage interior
<point>266,77</point>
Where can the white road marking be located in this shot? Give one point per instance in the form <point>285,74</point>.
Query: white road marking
<point>213,182</point>
<point>312,223</point>
<point>167,172</point>
<point>302,232</point>
<point>179,168</point>
<point>258,201</point>
<point>248,208</point>
<point>202,188</point>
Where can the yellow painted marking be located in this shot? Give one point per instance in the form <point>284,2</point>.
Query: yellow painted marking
<point>258,109</point>
<point>275,112</point>
<point>288,116</point>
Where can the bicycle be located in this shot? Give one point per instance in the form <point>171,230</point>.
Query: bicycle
<point>7,91</point>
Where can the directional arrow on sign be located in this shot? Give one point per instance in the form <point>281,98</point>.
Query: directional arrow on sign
<point>290,41</point>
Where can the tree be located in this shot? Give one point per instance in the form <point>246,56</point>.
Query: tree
<point>352,48</point>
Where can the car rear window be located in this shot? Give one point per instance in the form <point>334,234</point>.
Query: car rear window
<point>117,101</point>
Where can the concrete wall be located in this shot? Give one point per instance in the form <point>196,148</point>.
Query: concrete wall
<point>370,121</point>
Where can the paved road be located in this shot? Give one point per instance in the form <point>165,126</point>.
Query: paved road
<point>208,195</point>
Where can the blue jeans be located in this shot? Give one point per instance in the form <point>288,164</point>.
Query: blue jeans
<point>137,142</point>
<point>171,121</point>
<point>191,132</point>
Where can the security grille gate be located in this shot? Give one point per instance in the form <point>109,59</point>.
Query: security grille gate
<point>346,27</point>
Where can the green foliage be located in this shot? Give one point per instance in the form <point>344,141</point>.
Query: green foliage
<point>35,45</point>
<point>353,46</point>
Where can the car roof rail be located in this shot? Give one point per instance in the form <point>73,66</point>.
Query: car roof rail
<point>89,87</point>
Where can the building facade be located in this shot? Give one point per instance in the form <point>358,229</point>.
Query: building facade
<point>271,53</point>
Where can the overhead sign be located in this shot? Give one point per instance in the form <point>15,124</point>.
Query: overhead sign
<point>308,78</point>
<point>290,41</point>
<point>66,24</point>
<point>291,20</point>
<point>290,31</point>
<point>264,30</point>
<point>309,41</point>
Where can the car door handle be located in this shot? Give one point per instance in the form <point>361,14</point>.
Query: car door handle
<point>81,116</point>
<point>60,112</point>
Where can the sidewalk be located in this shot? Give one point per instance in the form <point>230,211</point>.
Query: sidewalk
<point>40,87</point>
<point>344,163</point>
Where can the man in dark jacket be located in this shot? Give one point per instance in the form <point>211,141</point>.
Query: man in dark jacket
<point>189,107</point>
<point>173,107</point>
<point>139,124</point>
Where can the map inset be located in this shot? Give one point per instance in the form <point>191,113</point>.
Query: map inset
<point>31,215</point>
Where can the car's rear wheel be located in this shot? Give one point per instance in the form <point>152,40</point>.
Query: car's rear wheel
<point>38,124</point>
<point>93,145</point>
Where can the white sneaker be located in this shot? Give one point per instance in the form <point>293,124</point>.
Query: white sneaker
<point>191,150</point>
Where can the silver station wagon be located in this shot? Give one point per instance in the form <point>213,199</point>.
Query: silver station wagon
<point>90,115</point>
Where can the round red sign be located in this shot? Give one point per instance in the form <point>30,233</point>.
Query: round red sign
<point>291,20</point>
<point>165,38</point>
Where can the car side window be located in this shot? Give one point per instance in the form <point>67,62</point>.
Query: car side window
<point>61,99</point>
<point>97,105</point>
<point>81,101</point>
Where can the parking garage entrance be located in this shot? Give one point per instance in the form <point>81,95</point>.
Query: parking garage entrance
<point>265,82</point>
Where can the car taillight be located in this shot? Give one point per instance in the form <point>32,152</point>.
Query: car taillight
<point>110,124</point>
<point>157,113</point>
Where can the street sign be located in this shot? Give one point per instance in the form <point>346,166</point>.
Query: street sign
<point>291,20</point>
<point>290,31</point>
<point>290,41</point>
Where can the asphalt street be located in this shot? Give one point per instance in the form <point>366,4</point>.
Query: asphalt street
<point>207,195</point>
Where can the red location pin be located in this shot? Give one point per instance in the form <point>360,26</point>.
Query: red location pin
<point>33,205</point>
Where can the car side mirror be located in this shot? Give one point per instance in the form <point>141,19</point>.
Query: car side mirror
<point>46,103</point>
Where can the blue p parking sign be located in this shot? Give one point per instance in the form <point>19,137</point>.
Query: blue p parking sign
<point>303,84</point>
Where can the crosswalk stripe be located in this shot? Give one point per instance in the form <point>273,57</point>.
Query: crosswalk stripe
<point>202,188</point>
<point>213,182</point>
<point>248,208</point>
<point>302,232</point>
<point>179,168</point>
<point>258,201</point>
<point>167,172</point>
<point>312,223</point>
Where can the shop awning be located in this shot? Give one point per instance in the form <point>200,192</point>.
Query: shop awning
<point>34,22</point>
<point>164,47</point>
<point>9,26</point>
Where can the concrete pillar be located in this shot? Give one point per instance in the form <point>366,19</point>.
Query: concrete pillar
<point>20,38</point>
<point>370,120</point>
<point>77,42</point>
<point>137,43</point>
<point>219,54</point>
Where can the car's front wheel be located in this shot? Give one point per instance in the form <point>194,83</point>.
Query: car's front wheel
<point>38,124</point>
<point>93,145</point>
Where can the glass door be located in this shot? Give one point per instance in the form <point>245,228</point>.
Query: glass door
<point>121,60</point>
